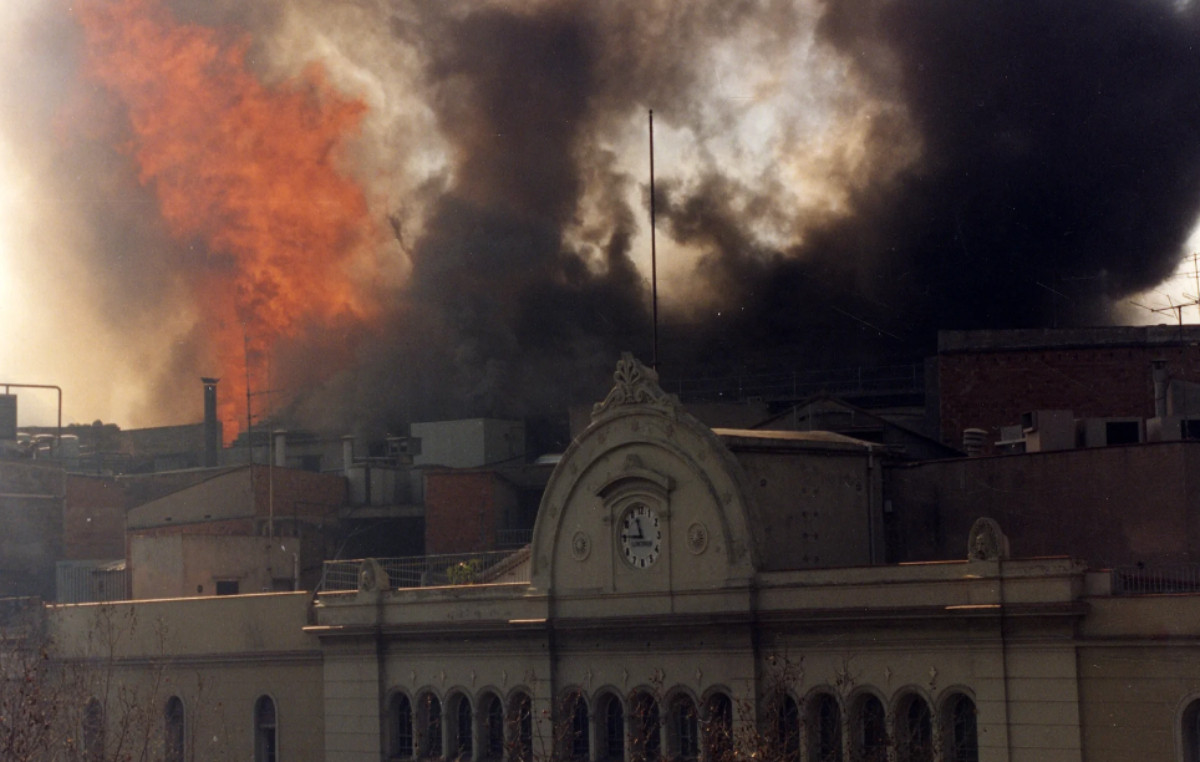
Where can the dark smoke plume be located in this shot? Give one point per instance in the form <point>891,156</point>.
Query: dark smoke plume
<point>836,182</point>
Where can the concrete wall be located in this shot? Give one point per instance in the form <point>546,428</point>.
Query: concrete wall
<point>31,529</point>
<point>469,443</point>
<point>1138,671</point>
<point>186,564</point>
<point>251,491</point>
<point>823,509</point>
<point>218,655</point>
<point>1113,505</point>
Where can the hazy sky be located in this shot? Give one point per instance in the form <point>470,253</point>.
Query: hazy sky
<point>402,210</point>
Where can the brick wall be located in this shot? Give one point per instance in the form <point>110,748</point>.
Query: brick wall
<point>988,389</point>
<point>1106,505</point>
<point>93,518</point>
<point>303,494</point>
<point>460,511</point>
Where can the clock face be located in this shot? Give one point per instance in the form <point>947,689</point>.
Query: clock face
<point>641,536</point>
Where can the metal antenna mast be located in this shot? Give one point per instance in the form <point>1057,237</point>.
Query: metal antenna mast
<point>653,251</point>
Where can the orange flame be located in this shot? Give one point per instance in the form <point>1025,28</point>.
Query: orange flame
<point>248,170</point>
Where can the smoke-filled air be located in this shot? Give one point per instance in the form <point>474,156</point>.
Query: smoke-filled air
<point>379,212</point>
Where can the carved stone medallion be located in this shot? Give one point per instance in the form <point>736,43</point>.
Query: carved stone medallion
<point>697,538</point>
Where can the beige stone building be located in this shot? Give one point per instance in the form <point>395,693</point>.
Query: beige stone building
<point>689,593</point>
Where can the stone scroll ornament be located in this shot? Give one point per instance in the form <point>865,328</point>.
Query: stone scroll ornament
<point>986,542</point>
<point>634,384</point>
<point>372,577</point>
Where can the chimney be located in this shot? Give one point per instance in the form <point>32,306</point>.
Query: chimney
<point>212,429</point>
<point>280,448</point>
<point>973,441</point>
<point>1159,373</point>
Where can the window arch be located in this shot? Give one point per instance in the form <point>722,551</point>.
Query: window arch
<point>683,728</point>
<point>610,731</point>
<point>173,730</point>
<point>578,743</point>
<point>787,727</point>
<point>869,729</point>
<point>461,720</point>
<point>491,717</point>
<point>824,729</point>
<point>961,731</point>
<point>645,731</point>
<point>429,725</point>
<point>266,738</point>
<point>718,728</point>
<point>1190,731</point>
<point>93,731</point>
<point>400,727</point>
<point>520,720</point>
<point>914,730</point>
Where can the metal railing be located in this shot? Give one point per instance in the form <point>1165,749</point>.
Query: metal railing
<point>1156,580</point>
<point>513,538</point>
<point>430,571</point>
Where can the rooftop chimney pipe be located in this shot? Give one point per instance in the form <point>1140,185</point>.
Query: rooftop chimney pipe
<point>1159,373</point>
<point>212,429</point>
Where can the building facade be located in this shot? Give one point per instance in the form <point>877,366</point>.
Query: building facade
<point>689,593</point>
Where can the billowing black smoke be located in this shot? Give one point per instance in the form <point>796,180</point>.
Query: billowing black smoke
<point>1047,155</point>
<point>975,165</point>
<point>1060,156</point>
<point>1059,170</point>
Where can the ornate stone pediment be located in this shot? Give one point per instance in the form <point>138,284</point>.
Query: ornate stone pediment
<point>634,384</point>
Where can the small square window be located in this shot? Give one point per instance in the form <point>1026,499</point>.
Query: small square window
<point>227,587</point>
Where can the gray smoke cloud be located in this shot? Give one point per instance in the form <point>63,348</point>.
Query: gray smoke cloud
<point>836,181</point>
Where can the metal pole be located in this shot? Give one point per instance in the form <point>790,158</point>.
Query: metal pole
<point>58,435</point>
<point>249,416</point>
<point>653,251</point>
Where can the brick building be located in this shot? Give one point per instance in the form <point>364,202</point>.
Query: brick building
<point>988,379</point>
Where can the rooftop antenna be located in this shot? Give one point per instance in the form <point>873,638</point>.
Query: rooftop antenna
<point>1193,300</point>
<point>653,252</point>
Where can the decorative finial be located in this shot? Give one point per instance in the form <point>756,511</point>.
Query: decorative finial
<point>634,384</point>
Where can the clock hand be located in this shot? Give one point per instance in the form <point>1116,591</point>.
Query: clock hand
<point>640,534</point>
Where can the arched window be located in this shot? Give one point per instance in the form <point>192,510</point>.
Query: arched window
<point>683,729</point>
<point>1190,732</point>
<point>718,728</point>
<point>492,711</point>
<point>914,730</point>
<point>962,736</point>
<point>610,736</point>
<point>645,742</point>
<point>93,731</point>
<point>173,731</point>
<point>400,727</point>
<point>825,729</point>
<point>462,739</point>
<point>787,728</point>
<point>429,721</point>
<point>521,720</point>
<point>266,739</point>
<point>870,730</point>
<point>578,743</point>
